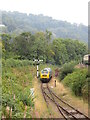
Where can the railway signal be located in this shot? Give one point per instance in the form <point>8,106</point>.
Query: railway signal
<point>37,62</point>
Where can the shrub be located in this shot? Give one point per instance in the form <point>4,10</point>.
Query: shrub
<point>16,81</point>
<point>26,98</point>
<point>66,69</point>
<point>85,89</point>
<point>15,63</point>
<point>76,81</point>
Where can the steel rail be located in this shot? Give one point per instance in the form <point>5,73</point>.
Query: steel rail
<point>65,113</point>
<point>69,105</point>
<point>43,94</point>
<point>56,103</point>
<point>61,108</point>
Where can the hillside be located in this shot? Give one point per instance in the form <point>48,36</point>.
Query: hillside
<point>21,22</point>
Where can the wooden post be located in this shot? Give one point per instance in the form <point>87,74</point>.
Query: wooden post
<point>55,83</point>
<point>37,72</point>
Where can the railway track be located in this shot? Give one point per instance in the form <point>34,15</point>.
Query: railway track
<point>66,110</point>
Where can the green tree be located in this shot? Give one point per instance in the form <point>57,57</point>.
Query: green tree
<point>23,45</point>
<point>60,52</point>
<point>6,40</point>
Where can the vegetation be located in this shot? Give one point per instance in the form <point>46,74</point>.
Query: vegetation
<point>67,69</point>
<point>39,45</point>
<point>20,50</point>
<point>17,82</point>
<point>85,89</point>
<point>17,23</point>
<point>77,79</point>
<point>77,82</point>
<point>16,63</point>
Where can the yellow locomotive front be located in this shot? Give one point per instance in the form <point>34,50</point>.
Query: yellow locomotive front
<point>45,75</point>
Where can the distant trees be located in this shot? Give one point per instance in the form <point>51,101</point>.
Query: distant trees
<point>16,22</point>
<point>6,40</point>
<point>75,49</point>
<point>6,45</point>
<point>40,45</point>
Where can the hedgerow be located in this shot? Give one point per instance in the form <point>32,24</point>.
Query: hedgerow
<point>76,81</point>
<point>66,69</point>
<point>16,63</point>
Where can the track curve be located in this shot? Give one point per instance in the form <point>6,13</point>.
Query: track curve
<point>65,109</point>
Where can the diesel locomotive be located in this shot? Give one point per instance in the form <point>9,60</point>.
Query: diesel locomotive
<point>46,75</point>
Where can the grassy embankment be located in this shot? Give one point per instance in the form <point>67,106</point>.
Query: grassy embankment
<point>76,78</point>
<point>17,77</point>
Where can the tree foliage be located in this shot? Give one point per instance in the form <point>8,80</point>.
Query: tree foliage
<point>77,81</point>
<point>40,45</point>
<point>16,22</point>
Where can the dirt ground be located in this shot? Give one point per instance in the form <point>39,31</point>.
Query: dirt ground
<point>42,111</point>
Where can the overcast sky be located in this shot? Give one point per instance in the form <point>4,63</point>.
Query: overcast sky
<point>74,11</point>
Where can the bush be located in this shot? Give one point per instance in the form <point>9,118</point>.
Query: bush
<point>66,69</point>
<point>16,81</point>
<point>76,81</point>
<point>85,89</point>
<point>26,98</point>
<point>15,63</point>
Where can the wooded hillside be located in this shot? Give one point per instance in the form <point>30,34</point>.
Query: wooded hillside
<point>16,22</point>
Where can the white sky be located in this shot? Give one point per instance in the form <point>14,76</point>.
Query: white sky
<point>74,11</point>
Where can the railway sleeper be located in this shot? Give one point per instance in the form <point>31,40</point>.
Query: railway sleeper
<point>72,112</point>
<point>68,116</point>
<point>76,114</point>
<point>79,116</point>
